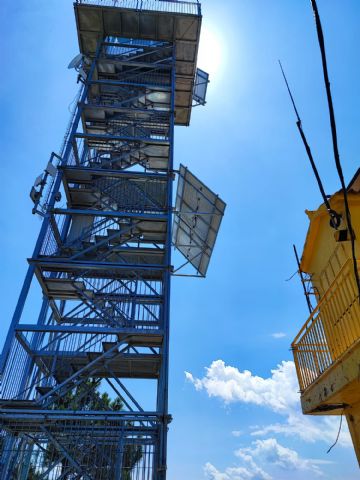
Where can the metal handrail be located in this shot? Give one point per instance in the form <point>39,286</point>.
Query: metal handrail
<point>331,329</point>
<point>166,6</point>
<point>322,302</point>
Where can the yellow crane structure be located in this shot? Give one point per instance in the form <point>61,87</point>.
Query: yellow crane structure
<point>327,348</point>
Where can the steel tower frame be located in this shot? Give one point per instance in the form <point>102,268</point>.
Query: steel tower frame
<point>69,407</point>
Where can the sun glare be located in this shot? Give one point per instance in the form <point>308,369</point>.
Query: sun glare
<point>211,51</point>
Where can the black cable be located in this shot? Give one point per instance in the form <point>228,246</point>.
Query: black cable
<point>334,137</point>
<point>338,434</point>
<point>335,218</point>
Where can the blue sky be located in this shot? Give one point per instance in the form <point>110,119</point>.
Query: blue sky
<point>239,419</point>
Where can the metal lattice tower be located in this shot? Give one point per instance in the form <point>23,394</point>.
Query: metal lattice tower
<point>70,403</point>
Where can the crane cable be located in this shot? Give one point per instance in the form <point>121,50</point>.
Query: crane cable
<point>335,218</point>
<point>321,41</point>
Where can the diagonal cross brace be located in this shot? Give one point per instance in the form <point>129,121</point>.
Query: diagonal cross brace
<point>83,369</point>
<point>63,450</point>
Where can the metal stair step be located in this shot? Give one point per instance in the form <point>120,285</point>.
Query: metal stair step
<point>120,237</point>
<point>23,404</point>
<point>108,346</point>
<point>63,286</point>
<point>44,390</point>
<point>89,293</point>
<point>93,356</point>
<point>113,231</point>
<point>100,238</point>
<point>87,244</point>
<point>68,250</point>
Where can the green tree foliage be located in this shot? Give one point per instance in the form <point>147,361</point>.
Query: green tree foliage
<point>32,475</point>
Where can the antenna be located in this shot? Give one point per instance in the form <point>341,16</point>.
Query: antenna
<point>77,61</point>
<point>302,280</point>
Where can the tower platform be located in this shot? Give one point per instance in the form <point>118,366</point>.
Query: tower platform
<point>175,22</point>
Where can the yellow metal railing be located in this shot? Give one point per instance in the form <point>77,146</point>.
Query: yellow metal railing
<point>332,328</point>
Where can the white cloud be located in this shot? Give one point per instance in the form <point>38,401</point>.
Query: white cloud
<point>271,452</point>
<point>308,429</point>
<point>196,382</point>
<point>237,433</point>
<point>279,393</point>
<point>278,335</point>
<point>214,474</point>
<point>264,454</point>
<point>251,472</point>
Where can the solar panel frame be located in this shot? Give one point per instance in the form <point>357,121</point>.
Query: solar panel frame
<point>200,86</point>
<point>198,217</point>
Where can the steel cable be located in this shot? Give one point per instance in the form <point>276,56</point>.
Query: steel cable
<point>335,218</point>
<point>321,41</point>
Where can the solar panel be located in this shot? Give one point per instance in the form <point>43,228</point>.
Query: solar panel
<point>198,216</point>
<point>200,86</point>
